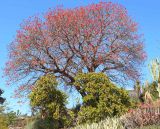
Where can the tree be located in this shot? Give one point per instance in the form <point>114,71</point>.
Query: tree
<point>98,37</point>
<point>103,98</point>
<point>49,101</point>
<point>137,89</point>
<point>1,98</point>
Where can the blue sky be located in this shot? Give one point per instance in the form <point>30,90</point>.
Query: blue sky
<point>12,13</point>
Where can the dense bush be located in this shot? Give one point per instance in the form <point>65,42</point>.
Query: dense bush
<point>49,101</point>
<point>102,98</point>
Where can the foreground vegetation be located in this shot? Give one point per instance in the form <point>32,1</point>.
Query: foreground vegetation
<point>94,57</point>
<point>109,123</point>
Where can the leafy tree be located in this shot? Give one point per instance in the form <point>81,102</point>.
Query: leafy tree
<point>96,37</point>
<point>103,98</point>
<point>50,101</point>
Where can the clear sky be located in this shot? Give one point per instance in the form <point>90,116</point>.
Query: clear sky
<point>13,12</point>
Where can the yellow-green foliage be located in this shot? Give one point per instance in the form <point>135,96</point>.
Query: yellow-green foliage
<point>109,123</point>
<point>103,98</point>
<point>47,98</point>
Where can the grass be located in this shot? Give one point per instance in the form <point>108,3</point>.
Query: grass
<point>109,123</point>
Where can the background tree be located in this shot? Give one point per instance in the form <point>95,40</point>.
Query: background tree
<point>137,89</point>
<point>98,37</point>
<point>103,98</point>
<point>1,98</point>
<point>136,94</point>
<point>49,101</point>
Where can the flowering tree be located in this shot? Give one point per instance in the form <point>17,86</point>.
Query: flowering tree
<point>98,37</point>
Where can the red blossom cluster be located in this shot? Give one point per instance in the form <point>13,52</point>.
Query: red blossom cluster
<point>98,37</point>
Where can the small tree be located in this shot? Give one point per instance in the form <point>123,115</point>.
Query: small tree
<point>46,98</point>
<point>102,99</point>
<point>137,89</point>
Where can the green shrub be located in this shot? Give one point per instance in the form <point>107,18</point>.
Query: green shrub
<point>49,101</point>
<point>102,98</point>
